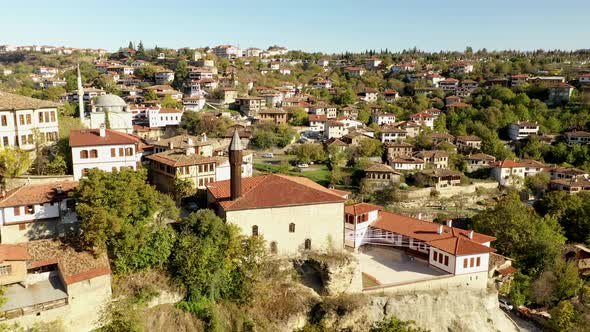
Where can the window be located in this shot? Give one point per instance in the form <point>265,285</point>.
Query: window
<point>17,210</point>
<point>478,261</point>
<point>84,154</point>
<point>29,119</point>
<point>471,262</point>
<point>435,256</point>
<point>5,141</point>
<point>30,139</point>
<point>307,244</point>
<point>84,171</point>
<point>465,263</point>
<point>273,247</point>
<point>29,209</point>
<point>291,228</point>
<point>93,154</point>
<point>52,116</point>
<point>4,121</point>
<point>254,230</point>
<point>121,152</point>
<point>21,119</point>
<point>5,270</point>
<point>446,260</point>
<point>440,258</point>
<point>46,116</point>
<point>113,152</point>
<point>40,117</point>
<point>129,151</point>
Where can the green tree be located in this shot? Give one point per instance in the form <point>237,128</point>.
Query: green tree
<point>183,188</point>
<point>169,102</point>
<point>150,95</point>
<point>563,317</point>
<point>559,281</point>
<point>521,234</point>
<point>14,162</point>
<point>180,73</point>
<point>393,324</point>
<point>298,117</point>
<point>572,212</point>
<point>117,212</point>
<point>212,259</point>
<point>309,152</point>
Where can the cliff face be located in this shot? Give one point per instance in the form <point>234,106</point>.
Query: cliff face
<point>439,311</point>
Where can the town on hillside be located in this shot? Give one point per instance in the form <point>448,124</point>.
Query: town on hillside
<point>268,189</point>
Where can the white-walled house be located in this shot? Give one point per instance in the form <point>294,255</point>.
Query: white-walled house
<point>508,172</point>
<point>453,250</point>
<point>522,130</point>
<point>383,118</point>
<point>162,117</point>
<point>407,164</point>
<point>21,116</point>
<point>36,211</point>
<point>104,149</point>
<point>317,123</point>
<point>392,134</point>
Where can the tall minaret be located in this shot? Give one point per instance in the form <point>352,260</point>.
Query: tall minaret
<point>235,164</point>
<point>80,95</point>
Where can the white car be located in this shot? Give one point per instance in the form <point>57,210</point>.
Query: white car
<point>504,304</point>
<point>303,165</point>
<point>268,155</point>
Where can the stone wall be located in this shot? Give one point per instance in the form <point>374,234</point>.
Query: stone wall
<point>12,183</point>
<point>449,191</point>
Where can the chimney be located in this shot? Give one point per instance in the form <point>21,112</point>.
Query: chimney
<point>170,145</point>
<point>450,223</point>
<point>471,235</point>
<point>440,229</point>
<point>189,141</point>
<point>204,137</point>
<point>235,163</point>
<point>103,130</point>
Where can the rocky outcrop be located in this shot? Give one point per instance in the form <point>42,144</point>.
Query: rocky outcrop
<point>330,274</point>
<point>442,311</point>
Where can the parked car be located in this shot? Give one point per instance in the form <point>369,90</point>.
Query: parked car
<point>192,206</point>
<point>504,304</point>
<point>303,165</point>
<point>268,155</point>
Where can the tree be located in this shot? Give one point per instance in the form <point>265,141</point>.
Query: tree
<point>183,188</point>
<point>369,147</point>
<point>537,183</point>
<point>563,317</point>
<point>169,102</point>
<point>298,117</point>
<point>521,234</point>
<point>572,212</point>
<point>150,95</point>
<point>200,123</point>
<point>393,324</point>
<point>180,73</point>
<point>140,49</point>
<point>212,259</point>
<point>559,281</point>
<point>309,152</point>
<point>130,45</point>
<point>14,162</point>
<point>117,213</point>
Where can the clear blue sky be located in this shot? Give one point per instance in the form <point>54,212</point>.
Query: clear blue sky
<point>318,25</point>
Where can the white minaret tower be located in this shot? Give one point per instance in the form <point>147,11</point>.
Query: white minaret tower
<point>80,95</point>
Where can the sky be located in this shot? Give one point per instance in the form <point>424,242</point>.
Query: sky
<point>320,25</point>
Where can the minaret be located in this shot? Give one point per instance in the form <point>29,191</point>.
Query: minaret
<point>235,164</point>
<point>80,95</point>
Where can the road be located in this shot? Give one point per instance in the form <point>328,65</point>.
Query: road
<point>523,325</point>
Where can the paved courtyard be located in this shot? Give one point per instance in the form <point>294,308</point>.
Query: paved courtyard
<point>389,265</point>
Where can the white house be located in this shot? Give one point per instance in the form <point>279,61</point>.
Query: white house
<point>36,211</point>
<point>21,117</point>
<point>164,76</point>
<point>392,134</point>
<point>449,84</point>
<point>453,250</point>
<point>461,67</point>
<point>508,172</point>
<point>522,130</point>
<point>407,163</point>
<point>423,119</point>
<point>317,122</point>
<point>383,118</point>
<point>162,117</point>
<point>335,129</point>
<point>227,51</point>
<point>104,149</point>
<point>577,137</point>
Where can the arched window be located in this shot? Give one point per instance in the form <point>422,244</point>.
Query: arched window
<point>93,154</point>
<point>291,228</point>
<point>307,244</point>
<point>273,247</point>
<point>84,154</point>
<point>254,230</point>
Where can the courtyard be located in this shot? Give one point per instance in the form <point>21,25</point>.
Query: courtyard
<point>385,265</point>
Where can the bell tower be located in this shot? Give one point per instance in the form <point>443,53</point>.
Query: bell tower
<point>235,163</point>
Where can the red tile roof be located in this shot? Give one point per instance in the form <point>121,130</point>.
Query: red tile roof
<point>361,208</point>
<point>507,164</point>
<point>273,190</point>
<point>13,252</point>
<point>37,194</point>
<point>91,137</point>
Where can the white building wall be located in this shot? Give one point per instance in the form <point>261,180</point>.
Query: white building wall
<point>41,211</point>
<point>104,161</point>
<point>448,268</point>
<point>321,223</point>
<point>483,266</point>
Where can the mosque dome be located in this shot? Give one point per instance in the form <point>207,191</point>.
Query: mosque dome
<point>111,103</point>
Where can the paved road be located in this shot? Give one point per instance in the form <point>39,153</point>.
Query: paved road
<point>523,325</point>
